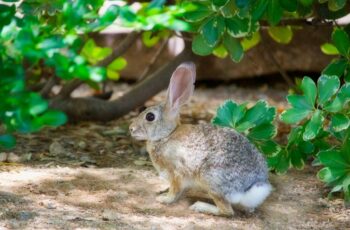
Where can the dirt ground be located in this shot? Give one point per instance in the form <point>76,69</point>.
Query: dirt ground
<point>94,176</point>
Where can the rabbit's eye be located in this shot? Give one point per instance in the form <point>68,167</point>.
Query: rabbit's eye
<point>150,116</point>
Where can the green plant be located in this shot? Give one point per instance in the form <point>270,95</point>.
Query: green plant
<point>255,122</point>
<point>320,119</point>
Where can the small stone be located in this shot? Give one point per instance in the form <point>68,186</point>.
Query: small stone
<point>13,224</point>
<point>109,215</point>
<point>140,162</point>
<point>82,144</point>
<point>49,205</point>
<point>56,149</point>
<point>3,157</point>
<point>13,158</point>
<point>24,216</point>
<point>26,157</point>
<point>87,159</point>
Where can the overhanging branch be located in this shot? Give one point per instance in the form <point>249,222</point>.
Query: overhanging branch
<point>100,110</point>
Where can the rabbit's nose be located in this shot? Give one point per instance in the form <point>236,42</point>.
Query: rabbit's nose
<point>132,128</point>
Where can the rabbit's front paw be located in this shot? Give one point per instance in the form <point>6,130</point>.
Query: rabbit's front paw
<point>166,198</point>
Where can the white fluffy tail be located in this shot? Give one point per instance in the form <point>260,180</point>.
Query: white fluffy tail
<point>253,197</point>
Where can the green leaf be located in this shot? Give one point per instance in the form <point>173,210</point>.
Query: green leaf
<point>306,147</point>
<point>293,115</point>
<point>296,158</point>
<point>334,106</point>
<point>93,53</point>
<point>234,48</point>
<point>281,34</point>
<point>263,132</point>
<point>335,5</point>
<point>228,114</point>
<point>344,93</point>
<point>212,30</point>
<point>220,3</point>
<point>258,9</point>
<point>149,39</point>
<point>334,160</point>
<point>220,51</point>
<point>280,162</point>
<point>200,12</point>
<point>336,67</point>
<point>327,87</point>
<point>248,43</point>
<point>242,3</point>
<point>329,49</point>
<point>229,10</point>
<point>306,2</point>
<point>294,136</point>
<point>313,126</point>
<point>269,148</point>
<point>341,40</point>
<point>237,27</point>
<point>7,141</point>
<point>310,91</point>
<point>274,12</point>
<point>118,64</point>
<point>113,75</point>
<point>52,118</point>
<point>259,114</point>
<point>200,47</point>
<point>339,122</point>
<point>325,175</point>
<point>97,74</point>
<point>299,102</point>
<point>289,5</point>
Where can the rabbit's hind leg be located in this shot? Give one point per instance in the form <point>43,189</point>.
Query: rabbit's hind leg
<point>221,208</point>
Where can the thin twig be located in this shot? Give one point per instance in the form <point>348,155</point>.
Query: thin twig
<point>153,60</point>
<point>117,52</point>
<point>283,73</point>
<point>120,49</point>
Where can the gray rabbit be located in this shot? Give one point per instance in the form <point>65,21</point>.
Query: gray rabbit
<point>218,160</point>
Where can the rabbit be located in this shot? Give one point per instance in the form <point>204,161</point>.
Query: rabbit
<point>217,160</point>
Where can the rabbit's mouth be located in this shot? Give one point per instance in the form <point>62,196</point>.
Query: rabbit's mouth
<point>136,133</point>
<point>138,137</point>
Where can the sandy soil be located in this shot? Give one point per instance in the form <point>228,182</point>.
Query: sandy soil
<point>94,176</point>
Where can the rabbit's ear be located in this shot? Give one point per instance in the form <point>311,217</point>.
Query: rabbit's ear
<point>180,88</point>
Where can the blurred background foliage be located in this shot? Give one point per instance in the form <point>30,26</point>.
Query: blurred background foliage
<point>43,42</point>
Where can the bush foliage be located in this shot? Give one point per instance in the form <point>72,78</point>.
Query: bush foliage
<point>41,40</point>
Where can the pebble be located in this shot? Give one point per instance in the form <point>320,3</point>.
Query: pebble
<point>3,157</point>
<point>13,158</point>
<point>82,144</point>
<point>26,157</point>
<point>109,214</point>
<point>56,149</point>
<point>142,162</point>
<point>48,205</point>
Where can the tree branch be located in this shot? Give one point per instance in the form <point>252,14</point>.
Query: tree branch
<point>45,91</point>
<point>96,109</point>
<point>68,88</point>
<point>121,49</point>
<point>153,60</point>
